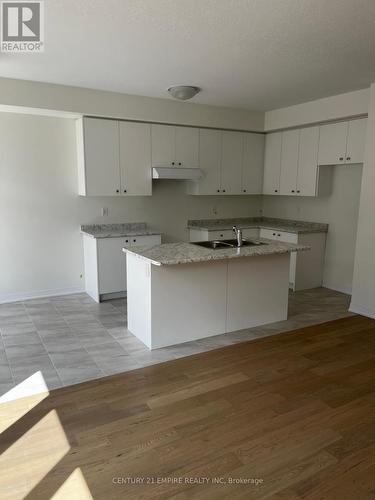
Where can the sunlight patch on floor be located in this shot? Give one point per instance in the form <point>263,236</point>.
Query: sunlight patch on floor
<point>18,401</point>
<point>74,488</point>
<point>29,459</point>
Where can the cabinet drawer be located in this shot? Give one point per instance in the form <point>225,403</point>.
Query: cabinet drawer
<point>250,233</point>
<point>220,235</point>
<point>139,241</point>
<point>272,234</point>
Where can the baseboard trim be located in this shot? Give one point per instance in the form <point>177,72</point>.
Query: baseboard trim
<point>5,298</point>
<point>363,311</point>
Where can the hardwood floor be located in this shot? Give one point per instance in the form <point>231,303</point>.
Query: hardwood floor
<point>294,413</point>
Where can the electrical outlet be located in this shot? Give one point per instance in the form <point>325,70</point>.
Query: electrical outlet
<point>214,210</point>
<point>105,212</point>
<point>81,275</point>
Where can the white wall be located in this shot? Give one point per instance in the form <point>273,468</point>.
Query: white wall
<point>363,298</point>
<point>45,96</point>
<point>40,212</point>
<point>340,211</point>
<point>330,108</point>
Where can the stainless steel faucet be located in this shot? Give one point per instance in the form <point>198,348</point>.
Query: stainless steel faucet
<point>238,232</point>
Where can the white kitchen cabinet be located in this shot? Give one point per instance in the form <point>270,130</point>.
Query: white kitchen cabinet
<point>272,163</point>
<point>308,162</point>
<point>187,147</point>
<point>231,162</point>
<point>163,145</point>
<point>98,157</point>
<point>306,268</point>
<point>252,163</point>
<point>342,142</point>
<point>135,158</point>
<point>105,263</point>
<point>355,147</point>
<point>332,143</point>
<point>114,158</point>
<point>289,162</point>
<point>175,146</point>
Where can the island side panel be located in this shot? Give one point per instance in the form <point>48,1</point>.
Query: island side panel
<point>138,272</point>
<point>188,302</point>
<point>257,291</point>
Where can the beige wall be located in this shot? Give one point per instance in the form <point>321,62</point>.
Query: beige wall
<point>331,108</point>
<point>45,96</point>
<point>340,211</point>
<point>40,212</point>
<point>363,299</point>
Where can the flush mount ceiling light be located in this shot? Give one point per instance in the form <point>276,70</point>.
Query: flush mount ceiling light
<point>183,92</point>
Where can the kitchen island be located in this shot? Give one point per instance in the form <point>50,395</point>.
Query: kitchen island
<point>179,292</point>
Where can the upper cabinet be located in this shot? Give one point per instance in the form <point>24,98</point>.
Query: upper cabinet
<point>252,163</point>
<point>272,163</point>
<point>232,163</point>
<point>114,158</point>
<point>174,146</point>
<point>98,157</point>
<point>135,158</point>
<point>342,142</point>
<point>295,160</point>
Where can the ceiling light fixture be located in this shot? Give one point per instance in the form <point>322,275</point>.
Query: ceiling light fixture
<point>183,92</point>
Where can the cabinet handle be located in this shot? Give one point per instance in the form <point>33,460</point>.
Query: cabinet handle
<point>275,190</point>
<point>172,162</point>
<point>117,190</point>
<point>298,191</point>
<point>348,158</point>
<point>293,191</point>
<point>341,158</point>
<point>273,234</point>
<point>179,163</point>
<point>279,235</point>
<point>126,241</point>
<point>221,236</point>
<point>218,190</point>
<point>244,190</point>
<point>124,190</point>
<point>223,190</point>
<point>134,241</point>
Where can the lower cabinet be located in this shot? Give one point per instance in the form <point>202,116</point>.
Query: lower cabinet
<point>226,234</point>
<point>306,268</point>
<point>105,263</point>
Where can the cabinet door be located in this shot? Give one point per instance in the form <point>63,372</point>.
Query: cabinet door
<point>112,264</point>
<point>163,145</point>
<point>231,162</point>
<point>135,158</point>
<point>272,163</point>
<point>187,147</point>
<point>289,162</point>
<point>252,163</point>
<point>308,161</point>
<point>355,147</point>
<point>209,161</point>
<point>101,151</point>
<point>332,143</point>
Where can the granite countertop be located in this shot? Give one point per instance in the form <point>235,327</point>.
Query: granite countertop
<point>287,225</point>
<point>170,254</point>
<point>117,230</point>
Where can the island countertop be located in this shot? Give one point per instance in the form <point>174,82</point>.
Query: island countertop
<point>170,254</point>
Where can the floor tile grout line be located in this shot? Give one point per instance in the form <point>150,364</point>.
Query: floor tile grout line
<point>41,340</point>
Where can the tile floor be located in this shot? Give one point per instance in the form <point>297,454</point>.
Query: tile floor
<point>71,339</point>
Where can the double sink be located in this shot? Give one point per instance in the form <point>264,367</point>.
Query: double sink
<point>216,244</point>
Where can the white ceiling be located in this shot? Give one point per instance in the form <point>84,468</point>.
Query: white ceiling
<point>255,54</point>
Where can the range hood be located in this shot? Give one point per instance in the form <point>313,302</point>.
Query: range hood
<point>178,173</point>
